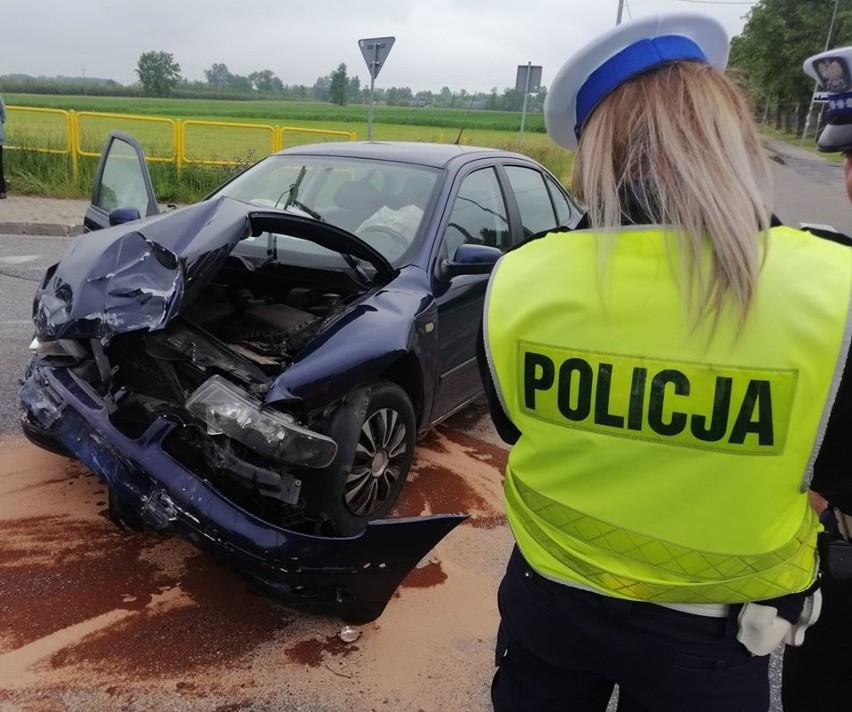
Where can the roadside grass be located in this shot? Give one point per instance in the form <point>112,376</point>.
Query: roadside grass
<point>33,169</point>
<point>216,153</point>
<point>32,172</point>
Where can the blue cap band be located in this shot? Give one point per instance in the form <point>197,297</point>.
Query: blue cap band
<point>632,60</point>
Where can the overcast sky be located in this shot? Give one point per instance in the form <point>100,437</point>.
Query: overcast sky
<point>463,44</point>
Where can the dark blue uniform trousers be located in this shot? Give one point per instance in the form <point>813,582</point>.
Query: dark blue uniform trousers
<point>561,648</point>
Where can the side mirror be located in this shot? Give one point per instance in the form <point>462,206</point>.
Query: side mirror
<point>120,216</point>
<point>472,259</point>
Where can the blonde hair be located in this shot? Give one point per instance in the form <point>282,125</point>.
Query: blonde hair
<point>679,145</point>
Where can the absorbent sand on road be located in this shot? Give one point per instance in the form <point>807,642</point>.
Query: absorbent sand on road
<point>95,618</point>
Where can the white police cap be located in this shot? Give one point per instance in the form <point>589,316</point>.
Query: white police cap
<point>832,70</point>
<point>622,53</point>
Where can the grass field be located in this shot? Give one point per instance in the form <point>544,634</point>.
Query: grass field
<point>286,112</point>
<point>29,133</point>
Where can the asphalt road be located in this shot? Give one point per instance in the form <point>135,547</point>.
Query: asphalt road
<point>23,261</point>
<point>134,602</point>
<point>810,189</point>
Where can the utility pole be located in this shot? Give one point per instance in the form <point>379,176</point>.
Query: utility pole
<point>816,84</point>
<point>620,11</point>
<point>526,94</point>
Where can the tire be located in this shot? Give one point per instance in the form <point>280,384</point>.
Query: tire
<point>376,446</point>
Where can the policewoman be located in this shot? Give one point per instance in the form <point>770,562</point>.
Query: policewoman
<point>666,376</point>
<point>816,674</point>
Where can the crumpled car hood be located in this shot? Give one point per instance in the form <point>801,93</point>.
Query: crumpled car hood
<point>140,275</point>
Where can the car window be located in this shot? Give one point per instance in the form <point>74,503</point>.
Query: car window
<point>479,214</point>
<point>564,209</point>
<point>122,183</point>
<point>537,214</point>
<point>381,202</point>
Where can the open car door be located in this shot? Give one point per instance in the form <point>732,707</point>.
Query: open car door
<point>122,190</point>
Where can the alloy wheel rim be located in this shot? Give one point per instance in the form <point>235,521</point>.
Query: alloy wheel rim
<point>377,465</point>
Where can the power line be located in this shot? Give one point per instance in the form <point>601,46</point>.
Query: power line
<point>721,2</point>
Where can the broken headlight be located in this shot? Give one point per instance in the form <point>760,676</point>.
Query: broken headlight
<point>62,348</point>
<point>230,411</point>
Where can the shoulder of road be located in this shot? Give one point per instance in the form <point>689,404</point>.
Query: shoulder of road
<point>32,215</point>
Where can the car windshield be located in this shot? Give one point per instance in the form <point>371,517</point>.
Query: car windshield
<point>381,202</point>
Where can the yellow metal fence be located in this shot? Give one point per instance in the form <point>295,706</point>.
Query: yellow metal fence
<point>180,141</point>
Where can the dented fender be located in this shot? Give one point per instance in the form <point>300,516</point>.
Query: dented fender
<point>359,345</point>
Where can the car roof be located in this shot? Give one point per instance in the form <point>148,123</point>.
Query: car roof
<point>436,155</point>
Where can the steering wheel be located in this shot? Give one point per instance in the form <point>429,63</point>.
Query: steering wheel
<point>397,237</point>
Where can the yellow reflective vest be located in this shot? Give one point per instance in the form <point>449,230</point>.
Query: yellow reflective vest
<point>660,460</point>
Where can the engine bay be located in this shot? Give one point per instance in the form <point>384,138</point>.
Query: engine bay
<point>246,334</point>
<point>260,327</point>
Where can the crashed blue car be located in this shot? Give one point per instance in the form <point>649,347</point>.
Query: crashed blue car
<point>253,371</point>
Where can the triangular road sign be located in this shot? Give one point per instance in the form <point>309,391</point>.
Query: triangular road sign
<point>375,51</point>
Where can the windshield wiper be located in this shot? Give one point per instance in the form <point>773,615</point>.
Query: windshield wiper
<point>310,211</point>
<point>355,264</point>
<point>293,191</point>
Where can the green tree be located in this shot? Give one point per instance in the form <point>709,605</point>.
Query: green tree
<point>266,81</point>
<point>240,84</point>
<point>320,89</point>
<point>493,101</point>
<point>338,85</point>
<point>444,98</point>
<point>354,89</point>
<point>218,75</point>
<point>399,96</point>
<point>158,72</point>
<point>513,100</point>
<point>777,37</point>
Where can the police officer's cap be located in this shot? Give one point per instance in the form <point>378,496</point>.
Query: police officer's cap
<point>832,72</point>
<point>622,53</point>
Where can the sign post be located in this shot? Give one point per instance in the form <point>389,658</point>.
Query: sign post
<point>375,51</point>
<point>527,80</point>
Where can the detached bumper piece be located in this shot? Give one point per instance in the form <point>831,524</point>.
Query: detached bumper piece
<point>352,578</point>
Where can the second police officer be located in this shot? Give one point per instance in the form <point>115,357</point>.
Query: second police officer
<point>816,674</point>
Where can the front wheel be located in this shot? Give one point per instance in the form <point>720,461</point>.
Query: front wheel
<point>379,443</point>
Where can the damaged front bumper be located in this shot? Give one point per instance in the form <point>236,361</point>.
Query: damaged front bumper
<point>352,577</point>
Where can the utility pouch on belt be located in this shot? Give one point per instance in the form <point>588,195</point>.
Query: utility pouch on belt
<point>835,548</point>
<point>840,560</point>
